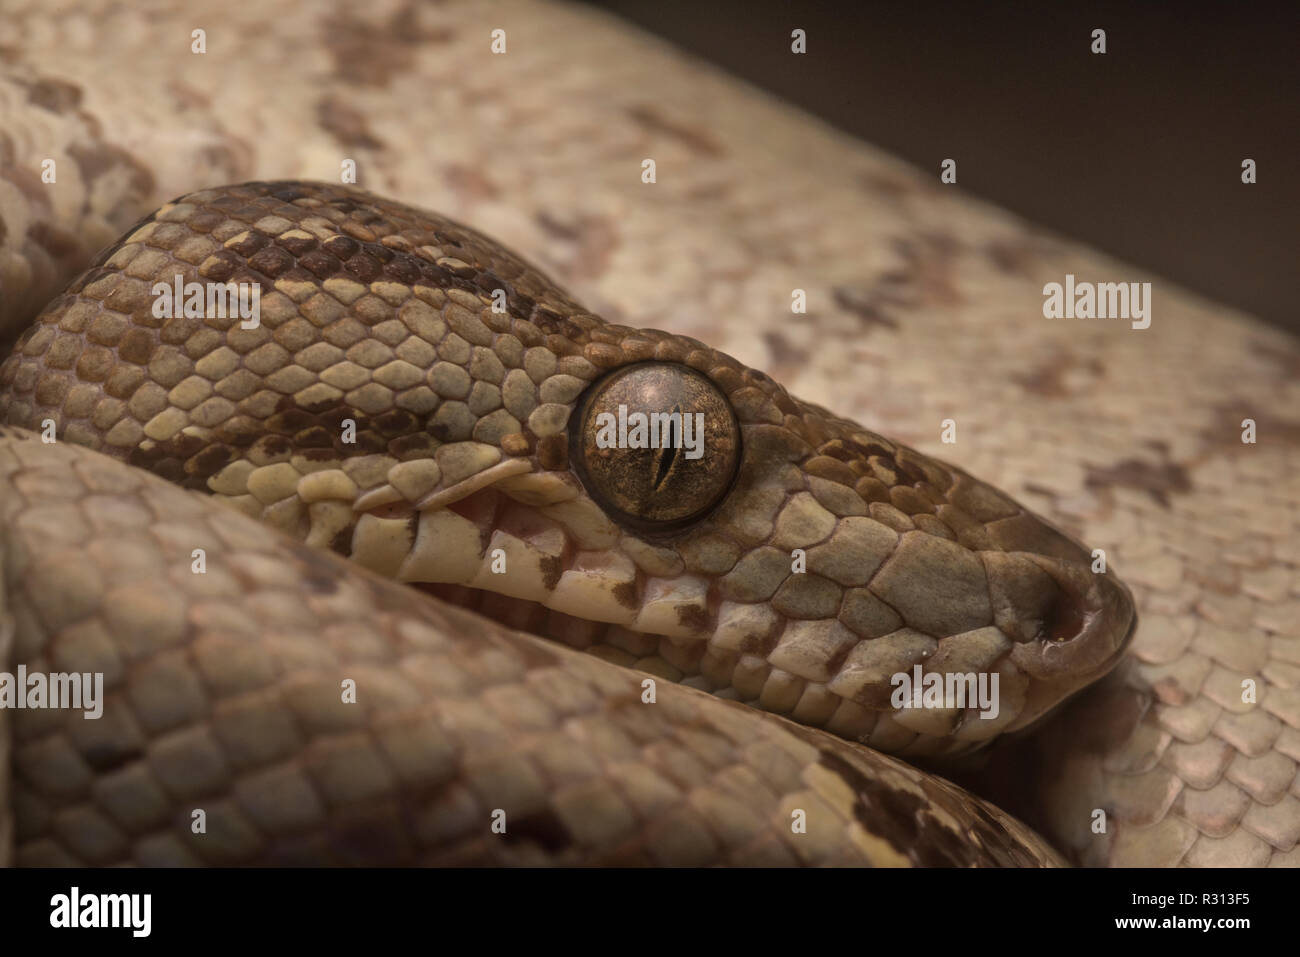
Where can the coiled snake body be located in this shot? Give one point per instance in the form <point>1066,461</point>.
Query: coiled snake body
<point>405,397</point>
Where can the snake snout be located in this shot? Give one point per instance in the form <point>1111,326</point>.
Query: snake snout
<point>1081,621</point>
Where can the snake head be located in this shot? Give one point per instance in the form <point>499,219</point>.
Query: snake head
<point>415,396</point>
<point>842,579</point>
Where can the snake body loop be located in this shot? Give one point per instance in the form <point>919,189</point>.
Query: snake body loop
<point>404,398</point>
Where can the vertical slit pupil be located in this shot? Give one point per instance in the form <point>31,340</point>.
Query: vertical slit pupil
<point>668,450</point>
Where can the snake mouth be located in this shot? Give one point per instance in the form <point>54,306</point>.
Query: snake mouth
<point>656,654</point>
<point>1057,625</point>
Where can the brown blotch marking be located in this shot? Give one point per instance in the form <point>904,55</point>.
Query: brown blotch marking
<point>1048,378</point>
<point>1159,481</point>
<point>865,305</point>
<point>465,272</point>
<point>909,472</point>
<point>625,593</point>
<point>210,461</point>
<point>313,438</point>
<point>297,245</point>
<point>291,419</point>
<point>694,139</point>
<point>880,810</point>
<point>886,186</point>
<point>347,125</point>
<point>343,247</point>
<point>287,192</point>
<point>556,227</point>
<point>693,617</point>
<point>553,452</point>
<point>56,96</point>
<point>251,244</point>
<point>1287,359</point>
<point>928,266</point>
<point>869,449</point>
<point>902,819</point>
<point>54,239</point>
<point>549,321</point>
<point>319,454</point>
<point>404,269</point>
<point>315,408</point>
<point>274,444</point>
<point>342,541</point>
<point>469,181</point>
<point>168,459</point>
<point>592,239</point>
<point>525,305</point>
<point>490,283</point>
<point>240,433</point>
<point>552,568</point>
<point>223,268</point>
<point>368,443</point>
<point>332,415</point>
<point>406,445</point>
<point>377,250</point>
<point>395,422</point>
<point>1010,256</point>
<point>363,267</point>
<point>1045,380</point>
<point>319,263</point>
<point>837,449</point>
<point>784,353</point>
<point>100,158</point>
<point>1042,490</point>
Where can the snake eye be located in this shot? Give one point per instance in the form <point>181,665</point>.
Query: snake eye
<point>656,444</point>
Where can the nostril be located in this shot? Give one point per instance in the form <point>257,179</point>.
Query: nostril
<point>1031,603</point>
<point>1058,612</point>
<point>1063,617</point>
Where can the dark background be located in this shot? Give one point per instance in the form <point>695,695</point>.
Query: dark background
<point>1137,152</point>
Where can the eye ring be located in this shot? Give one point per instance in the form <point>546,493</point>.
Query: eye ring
<point>655,444</point>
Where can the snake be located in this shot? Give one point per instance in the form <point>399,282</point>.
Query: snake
<point>527,654</point>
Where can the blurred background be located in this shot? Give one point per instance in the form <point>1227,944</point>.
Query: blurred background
<point>1137,151</point>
